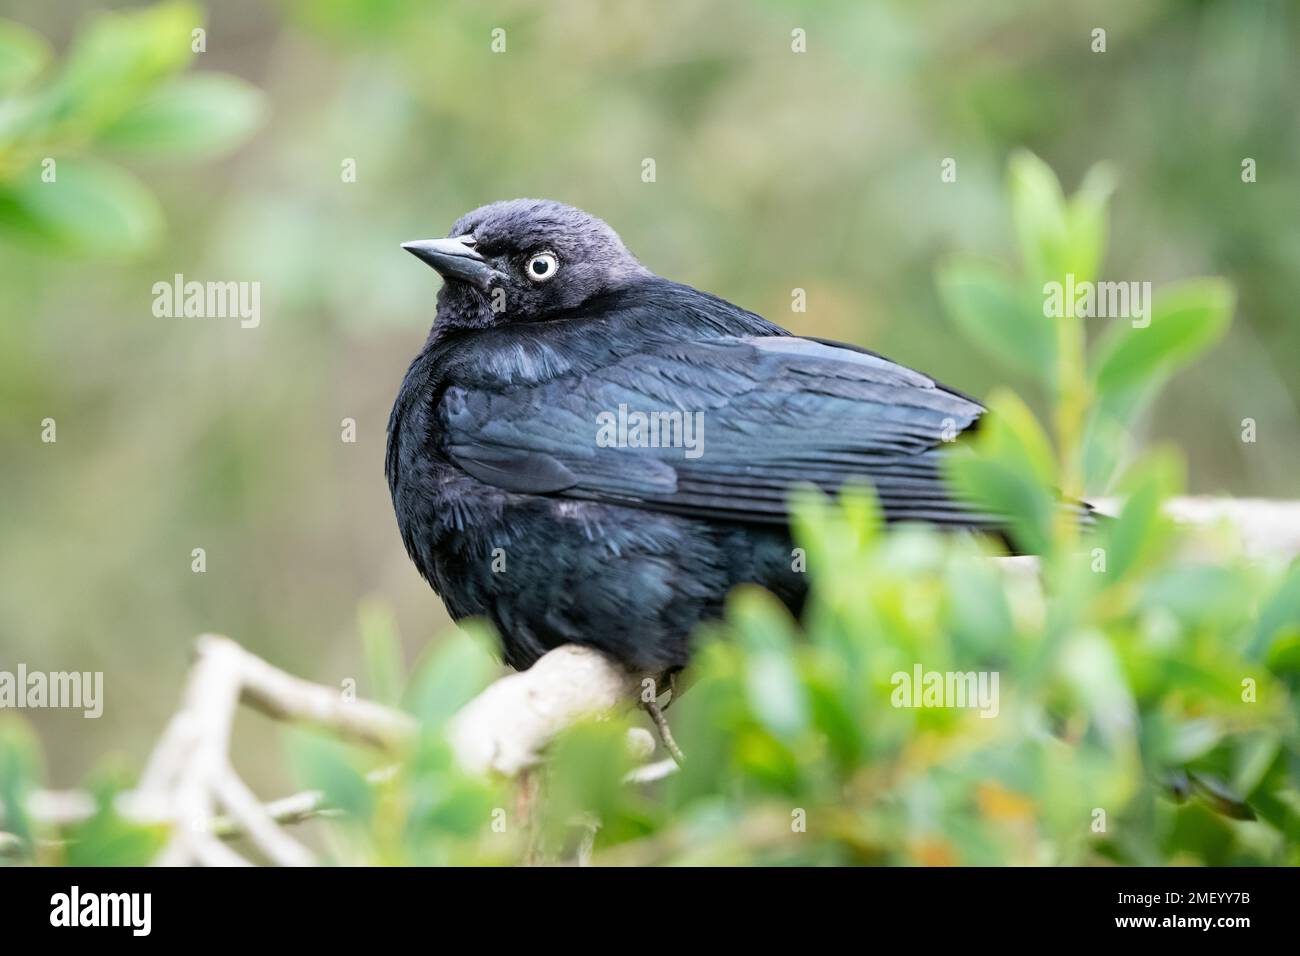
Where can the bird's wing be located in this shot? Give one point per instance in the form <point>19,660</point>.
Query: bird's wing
<point>752,417</point>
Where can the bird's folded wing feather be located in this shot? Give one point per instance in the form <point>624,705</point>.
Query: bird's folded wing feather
<point>772,412</point>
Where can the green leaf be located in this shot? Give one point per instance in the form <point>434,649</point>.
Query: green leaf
<point>1140,529</point>
<point>861,511</point>
<point>766,633</point>
<point>200,114</point>
<point>1107,438</point>
<point>811,518</point>
<point>1186,319</point>
<point>1011,433</point>
<point>977,609</point>
<point>1279,616</point>
<point>832,716</point>
<point>585,781</point>
<point>1038,214</point>
<point>326,765</point>
<point>1092,669</point>
<point>1086,215</point>
<point>119,56</point>
<point>1283,656</point>
<point>20,768</point>
<point>23,54</point>
<point>456,669</point>
<point>455,805</point>
<point>834,533</point>
<point>1005,491</point>
<point>1189,739</point>
<point>1058,237</point>
<point>1253,755</point>
<point>997,317</point>
<point>1011,471</point>
<point>1198,594</point>
<point>90,208</point>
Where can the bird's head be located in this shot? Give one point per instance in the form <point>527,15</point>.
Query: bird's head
<point>523,260</point>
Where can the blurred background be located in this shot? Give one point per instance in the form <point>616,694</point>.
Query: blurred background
<point>775,170</point>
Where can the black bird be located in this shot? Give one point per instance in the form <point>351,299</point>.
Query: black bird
<point>521,499</point>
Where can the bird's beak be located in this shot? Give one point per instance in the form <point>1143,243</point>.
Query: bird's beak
<point>453,259</point>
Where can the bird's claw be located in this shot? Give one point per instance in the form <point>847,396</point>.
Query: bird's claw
<point>665,732</point>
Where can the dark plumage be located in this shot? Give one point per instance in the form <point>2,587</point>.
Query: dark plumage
<point>544,323</point>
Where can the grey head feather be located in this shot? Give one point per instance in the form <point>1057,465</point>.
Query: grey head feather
<point>592,261</point>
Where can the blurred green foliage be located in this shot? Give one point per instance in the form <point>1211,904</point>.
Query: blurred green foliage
<point>775,170</point>
<point>1147,702</point>
<point>121,88</point>
<point>818,171</point>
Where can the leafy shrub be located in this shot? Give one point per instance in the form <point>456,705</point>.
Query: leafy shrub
<point>123,90</point>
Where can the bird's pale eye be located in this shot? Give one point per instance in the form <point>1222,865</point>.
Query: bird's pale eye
<point>542,266</point>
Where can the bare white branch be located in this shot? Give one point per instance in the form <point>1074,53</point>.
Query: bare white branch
<point>506,727</point>
<point>188,780</point>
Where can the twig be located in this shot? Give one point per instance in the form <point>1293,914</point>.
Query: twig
<point>294,808</point>
<point>665,732</point>
<point>284,697</point>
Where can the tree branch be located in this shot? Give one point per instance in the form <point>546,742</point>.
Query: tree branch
<point>506,727</point>
<point>188,780</point>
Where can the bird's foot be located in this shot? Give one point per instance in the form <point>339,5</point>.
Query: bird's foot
<point>665,732</point>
